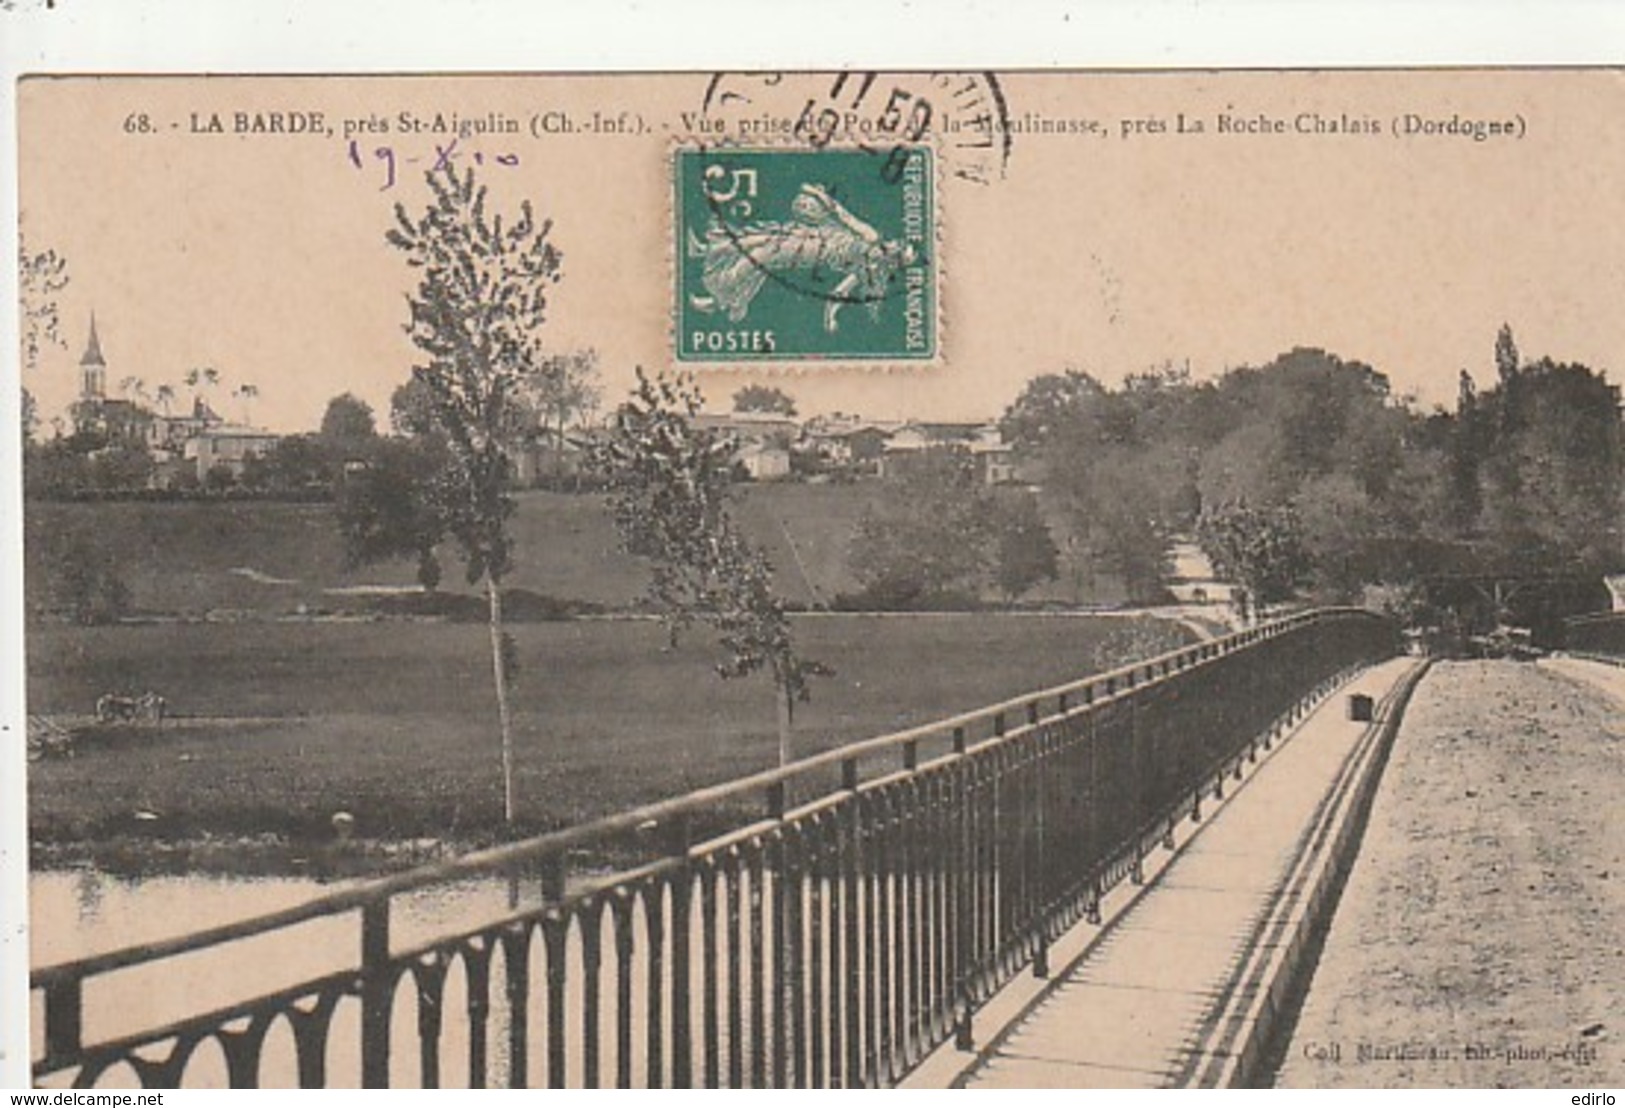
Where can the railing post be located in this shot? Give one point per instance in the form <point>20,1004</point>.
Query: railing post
<point>1040,869</point>
<point>780,1019</point>
<point>516,985</point>
<point>553,878</point>
<point>680,840</point>
<point>376,999</point>
<point>64,1007</point>
<point>964,1032</point>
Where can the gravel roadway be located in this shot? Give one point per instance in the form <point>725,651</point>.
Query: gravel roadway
<point>1480,941</point>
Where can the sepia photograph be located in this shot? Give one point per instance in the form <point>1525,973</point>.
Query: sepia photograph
<point>1006,578</point>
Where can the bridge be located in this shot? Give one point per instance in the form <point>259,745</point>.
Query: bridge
<point>922,908</point>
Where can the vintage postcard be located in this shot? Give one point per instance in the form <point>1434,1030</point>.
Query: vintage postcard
<point>825,578</point>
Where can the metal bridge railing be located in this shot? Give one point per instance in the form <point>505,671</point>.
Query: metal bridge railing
<point>1600,636</point>
<point>824,924</point>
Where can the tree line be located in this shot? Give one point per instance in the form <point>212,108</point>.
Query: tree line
<point>1309,478</point>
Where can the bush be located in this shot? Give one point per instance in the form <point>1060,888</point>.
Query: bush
<point>888,596</point>
<point>87,585</point>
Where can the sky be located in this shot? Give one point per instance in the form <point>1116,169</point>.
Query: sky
<point>1110,250</point>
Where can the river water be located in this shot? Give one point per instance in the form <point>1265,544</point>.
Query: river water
<point>83,911</point>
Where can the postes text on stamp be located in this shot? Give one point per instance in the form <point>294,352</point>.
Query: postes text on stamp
<point>794,255</point>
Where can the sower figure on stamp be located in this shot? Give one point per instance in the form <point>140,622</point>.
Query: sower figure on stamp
<point>821,235</point>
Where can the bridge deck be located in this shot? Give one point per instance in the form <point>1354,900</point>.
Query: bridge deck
<point>1157,998</point>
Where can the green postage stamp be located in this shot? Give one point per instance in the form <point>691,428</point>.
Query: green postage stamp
<point>795,255</point>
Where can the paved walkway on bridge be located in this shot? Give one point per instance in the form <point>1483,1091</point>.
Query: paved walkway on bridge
<point>1152,1002</point>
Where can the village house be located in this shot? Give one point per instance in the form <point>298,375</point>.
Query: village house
<point>983,442</point>
<point>764,461</point>
<point>849,442</point>
<point>170,433</point>
<point>227,446</point>
<point>764,440</point>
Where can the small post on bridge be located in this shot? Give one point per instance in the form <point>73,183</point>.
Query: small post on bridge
<point>376,998</point>
<point>64,1007</point>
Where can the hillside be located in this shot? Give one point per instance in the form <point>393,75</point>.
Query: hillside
<point>190,557</point>
<point>267,557</point>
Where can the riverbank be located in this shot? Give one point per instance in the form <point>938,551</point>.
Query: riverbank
<point>242,856</point>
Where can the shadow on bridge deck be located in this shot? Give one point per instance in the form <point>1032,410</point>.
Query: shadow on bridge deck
<point>1183,982</point>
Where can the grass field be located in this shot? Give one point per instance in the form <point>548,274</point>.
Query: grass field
<point>279,725</point>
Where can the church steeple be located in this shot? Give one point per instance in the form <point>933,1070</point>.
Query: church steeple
<point>93,367</point>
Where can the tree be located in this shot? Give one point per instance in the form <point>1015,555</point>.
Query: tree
<point>1121,502</point>
<point>59,466</point>
<point>1553,481</point>
<point>1530,473</point>
<point>764,398</point>
<point>299,463</point>
<point>347,425</point>
<point>928,538</point>
<point>1025,554</point>
<point>477,316</point>
<point>86,580</point>
<point>39,278</point>
<point>1321,440</point>
<point>122,466</point>
<point>1262,548</point>
<point>411,409</point>
<point>1115,464</point>
<point>1048,407</point>
<point>201,381</point>
<point>246,393</point>
<point>388,510</point>
<point>1506,355</point>
<point>566,389</point>
<point>670,492</point>
<point>220,478</point>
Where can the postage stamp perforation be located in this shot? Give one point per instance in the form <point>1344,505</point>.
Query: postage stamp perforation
<point>815,247</point>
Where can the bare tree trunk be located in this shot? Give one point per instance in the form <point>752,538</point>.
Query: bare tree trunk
<point>499,670</point>
<point>558,452</point>
<point>786,722</point>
